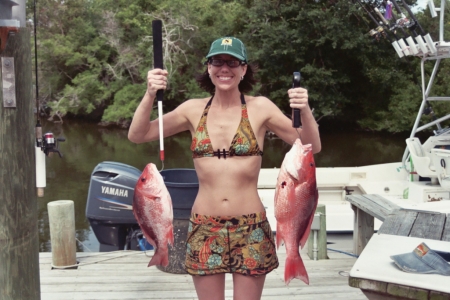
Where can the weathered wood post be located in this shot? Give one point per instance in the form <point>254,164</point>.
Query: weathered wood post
<point>19,243</point>
<point>321,241</point>
<point>61,216</point>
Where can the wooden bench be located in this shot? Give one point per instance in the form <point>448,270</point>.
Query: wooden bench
<point>403,230</point>
<point>366,208</point>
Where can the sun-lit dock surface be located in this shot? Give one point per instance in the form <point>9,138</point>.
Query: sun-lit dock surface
<point>124,275</point>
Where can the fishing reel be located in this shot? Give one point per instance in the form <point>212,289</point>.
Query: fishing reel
<point>377,33</point>
<point>49,145</point>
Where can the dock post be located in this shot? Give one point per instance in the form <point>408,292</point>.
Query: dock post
<point>321,236</point>
<point>19,234</point>
<point>61,215</point>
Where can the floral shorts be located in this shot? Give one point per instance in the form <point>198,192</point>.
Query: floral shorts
<point>238,244</point>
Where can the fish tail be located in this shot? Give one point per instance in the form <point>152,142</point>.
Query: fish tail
<point>295,269</point>
<point>160,258</point>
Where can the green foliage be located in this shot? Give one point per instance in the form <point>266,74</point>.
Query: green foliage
<point>94,56</point>
<point>125,102</point>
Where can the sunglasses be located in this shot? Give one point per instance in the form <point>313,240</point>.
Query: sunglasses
<point>221,62</point>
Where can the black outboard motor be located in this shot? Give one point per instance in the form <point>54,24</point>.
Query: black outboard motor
<point>109,206</point>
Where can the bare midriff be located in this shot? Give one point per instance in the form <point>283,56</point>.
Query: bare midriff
<point>227,187</point>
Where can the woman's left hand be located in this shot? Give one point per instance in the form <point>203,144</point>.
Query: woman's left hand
<point>298,97</point>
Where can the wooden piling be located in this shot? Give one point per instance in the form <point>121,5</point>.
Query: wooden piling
<point>19,243</point>
<point>61,215</point>
<point>321,236</point>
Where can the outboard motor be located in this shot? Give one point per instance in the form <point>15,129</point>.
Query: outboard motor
<point>109,206</point>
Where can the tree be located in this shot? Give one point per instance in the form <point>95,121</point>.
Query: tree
<point>94,56</point>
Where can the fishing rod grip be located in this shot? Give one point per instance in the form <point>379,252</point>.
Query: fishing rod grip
<point>157,51</point>
<point>296,111</point>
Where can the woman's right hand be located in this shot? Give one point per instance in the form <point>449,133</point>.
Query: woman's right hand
<point>156,80</point>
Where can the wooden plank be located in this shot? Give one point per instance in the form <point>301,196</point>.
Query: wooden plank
<point>446,231</point>
<point>428,225</point>
<point>380,200</point>
<point>367,284</point>
<point>363,229</point>
<point>128,277</point>
<point>408,292</point>
<point>19,271</point>
<point>399,223</point>
<point>368,206</point>
<point>383,290</point>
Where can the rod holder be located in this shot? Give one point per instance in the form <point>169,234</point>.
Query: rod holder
<point>422,45</point>
<point>403,46</point>
<point>433,9</point>
<point>412,45</point>
<point>398,49</point>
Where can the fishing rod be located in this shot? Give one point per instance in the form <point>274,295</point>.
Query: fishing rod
<point>416,22</point>
<point>382,19</point>
<point>377,32</point>
<point>46,144</point>
<point>296,111</point>
<point>41,180</point>
<point>394,42</point>
<point>401,23</point>
<point>424,40</point>
<point>425,35</point>
<point>385,24</point>
<point>158,63</point>
<point>379,28</point>
<point>400,41</point>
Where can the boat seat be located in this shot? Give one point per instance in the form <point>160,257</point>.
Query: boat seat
<point>441,159</point>
<point>422,162</point>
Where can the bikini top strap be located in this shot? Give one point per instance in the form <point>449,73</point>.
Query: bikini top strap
<point>242,99</point>
<point>209,102</point>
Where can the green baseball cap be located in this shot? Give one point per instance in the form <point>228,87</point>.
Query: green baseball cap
<point>228,45</point>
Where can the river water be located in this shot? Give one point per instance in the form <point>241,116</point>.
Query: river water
<point>87,145</point>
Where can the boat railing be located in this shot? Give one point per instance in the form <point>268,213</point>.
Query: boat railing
<point>441,51</point>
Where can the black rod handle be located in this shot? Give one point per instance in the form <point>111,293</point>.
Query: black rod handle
<point>157,51</point>
<point>296,111</point>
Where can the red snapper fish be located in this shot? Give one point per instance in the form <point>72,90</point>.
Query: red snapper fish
<point>296,198</point>
<point>152,208</point>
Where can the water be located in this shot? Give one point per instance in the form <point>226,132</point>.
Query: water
<point>87,145</point>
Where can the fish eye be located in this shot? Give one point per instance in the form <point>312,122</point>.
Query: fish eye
<point>283,184</point>
<point>143,179</point>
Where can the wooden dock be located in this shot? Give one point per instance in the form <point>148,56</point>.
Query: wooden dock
<point>124,275</point>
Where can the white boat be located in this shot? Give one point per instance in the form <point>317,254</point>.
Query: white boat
<point>421,180</point>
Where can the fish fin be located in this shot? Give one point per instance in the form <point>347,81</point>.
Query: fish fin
<point>160,258</point>
<point>279,237</point>
<point>149,239</point>
<point>295,269</point>
<point>170,238</point>
<point>305,235</point>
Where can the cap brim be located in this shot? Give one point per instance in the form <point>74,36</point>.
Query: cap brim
<point>226,52</point>
<point>430,262</point>
<point>409,262</point>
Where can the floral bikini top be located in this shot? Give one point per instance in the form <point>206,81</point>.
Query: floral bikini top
<point>244,142</point>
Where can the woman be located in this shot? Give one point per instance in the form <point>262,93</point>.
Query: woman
<point>229,232</point>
